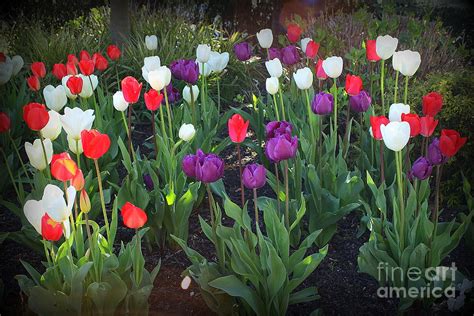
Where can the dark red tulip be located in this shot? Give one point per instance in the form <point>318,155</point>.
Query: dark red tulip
<point>293,32</point>
<point>33,83</point>
<point>38,69</point>
<point>432,103</point>
<point>74,83</point>
<point>4,122</point>
<point>59,71</point>
<point>35,115</point>
<point>450,142</point>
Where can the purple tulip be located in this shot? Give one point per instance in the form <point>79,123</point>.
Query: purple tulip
<point>274,53</point>
<point>434,155</point>
<point>323,103</point>
<point>290,55</point>
<point>281,147</point>
<point>148,182</point>
<point>209,167</point>
<point>186,70</point>
<point>173,94</point>
<point>360,102</point>
<point>254,176</point>
<point>243,51</point>
<point>277,128</point>
<point>421,169</point>
<point>189,165</point>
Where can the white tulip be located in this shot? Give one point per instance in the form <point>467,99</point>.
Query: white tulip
<point>151,42</point>
<point>54,203</point>
<point>396,110</point>
<point>54,127</point>
<point>204,69</point>
<point>35,153</point>
<point>304,43</point>
<point>74,145</point>
<point>303,78</point>
<point>187,93</point>
<point>385,46</point>
<point>159,78</point>
<point>217,62</point>
<point>274,68</point>
<point>66,88</point>
<point>34,211</point>
<point>55,98</point>
<point>407,62</point>
<point>87,88</point>
<point>272,85</point>
<point>332,66</point>
<point>203,52</point>
<point>187,132</point>
<point>18,64</point>
<point>149,64</point>
<point>395,135</point>
<point>265,38</point>
<point>76,120</point>
<point>6,70</point>
<point>119,102</point>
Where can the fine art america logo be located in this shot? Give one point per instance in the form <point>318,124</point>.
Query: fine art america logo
<point>433,282</point>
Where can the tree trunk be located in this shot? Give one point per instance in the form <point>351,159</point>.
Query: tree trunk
<point>119,21</point>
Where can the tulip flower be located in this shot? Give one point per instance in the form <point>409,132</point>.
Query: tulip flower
<point>203,52</point>
<point>89,84</point>
<point>55,98</point>
<point>396,110</point>
<point>34,213</point>
<point>218,61</point>
<point>71,68</point>
<point>2,57</point>
<point>4,122</point>
<point>274,68</point>
<point>187,94</point>
<point>323,103</point>
<point>353,84</point>
<point>63,168</point>
<point>153,99</point>
<point>148,181</point>
<point>370,51</point>
<point>274,53</point>
<point>74,146</point>
<point>272,85</point>
<point>414,121</point>
<point>395,135</point>
<point>304,43</point>
<point>50,230</point>
<point>450,142</point>
<point>71,58</point>
<point>84,202</point>
<point>186,132</point>
<point>133,217</point>
<point>131,89</point>
<point>385,46</point>
<point>407,61</point>
<point>35,116</point>
<point>186,70</point>
<point>303,78</point>
<point>159,78</point>
<point>36,155</point>
<point>209,167</point>
<point>84,55</point>
<point>172,92</point>
<point>113,52</point>
<point>59,71</point>
<point>75,120</point>
<point>94,143</point>
<point>432,103</point>
<point>434,154</point>
<point>53,129</point>
<point>360,102</point>
<point>6,70</point>
<point>265,38</point>
<point>320,74</point>
<point>33,83</point>
<point>74,84</point>
<point>277,128</point>
<point>421,169</point>
<point>77,180</point>
<point>333,66</point>
<point>38,69</point>
<point>312,49</point>
<point>100,62</point>
<point>290,55</point>
<point>281,147</point>
<point>86,66</point>
<point>376,122</point>
<point>189,165</point>
<point>149,64</point>
<point>237,128</point>
<point>204,69</point>
<point>254,176</point>
<point>243,51</point>
<point>427,125</point>
<point>151,42</point>
<point>293,32</point>
<point>17,63</point>
<point>55,205</point>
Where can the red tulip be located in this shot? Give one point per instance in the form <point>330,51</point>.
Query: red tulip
<point>78,180</point>
<point>84,55</point>
<point>133,217</point>
<point>113,52</point>
<point>50,230</point>
<point>293,32</point>
<point>74,83</point>
<point>94,144</point>
<point>86,66</point>
<point>312,49</point>
<point>71,68</point>
<point>33,83</point>
<point>2,57</point>
<point>131,89</point>
<point>414,121</point>
<point>353,84</point>
<point>375,122</point>
<point>38,69</point>
<point>450,142</point>
<point>370,51</point>
<point>432,103</point>
<point>428,125</point>
<point>63,168</point>
<point>100,61</point>
<point>237,128</point>
<point>59,71</point>
<point>71,58</point>
<point>320,73</point>
<point>153,99</point>
<point>4,122</point>
<point>35,115</point>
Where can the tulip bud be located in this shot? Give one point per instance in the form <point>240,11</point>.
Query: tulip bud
<point>274,68</point>
<point>187,132</point>
<point>265,38</point>
<point>203,53</point>
<point>303,78</point>
<point>119,102</point>
<point>84,202</point>
<point>151,42</point>
<point>187,94</point>
<point>78,180</point>
<point>272,85</point>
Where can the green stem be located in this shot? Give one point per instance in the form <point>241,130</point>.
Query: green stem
<point>277,186</point>
<point>395,93</point>
<point>162,119</point>
<point>203,97</point>
<point>281,102</point>
<point>218,96</point>
<point>168,110</point>
<point>401,208</point>
<point>11,175</point>
<point>19,156</point>
<point>256,207</point>
<point>102,201</point>
<point>382,80</point>
<point>242,192</point>
<point>193,107</point>
<point>310,116</point>
<point>335,114</point>
<point>78,155</point>
<point>46,252</point>
<point>405,95</point>
<point>287,199</point>
<point>48,172</point>
<point>276,108</point>
<point>153,127</point>
<point>128,131</point>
